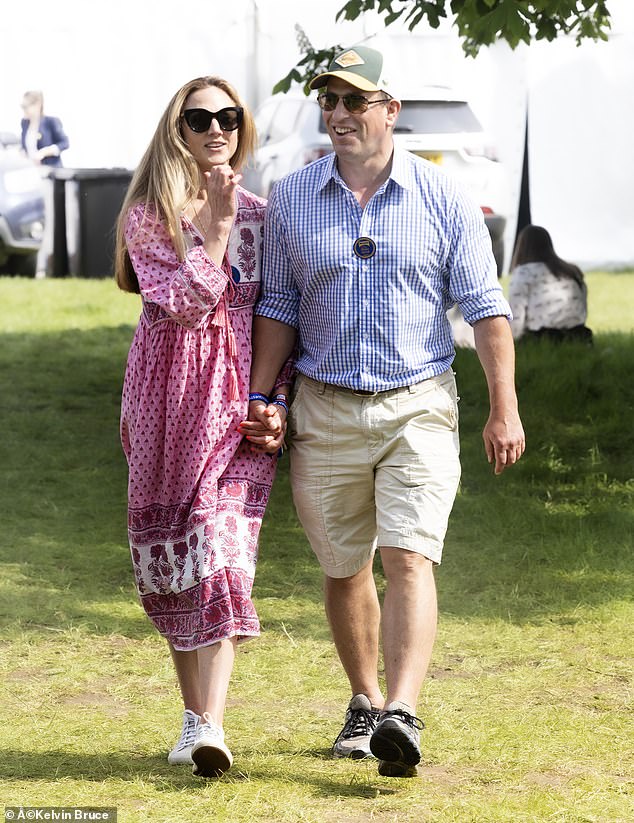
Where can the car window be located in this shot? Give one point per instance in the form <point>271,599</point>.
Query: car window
<point>263,119</point>
<point>436,117</point>
<point>284,121</point>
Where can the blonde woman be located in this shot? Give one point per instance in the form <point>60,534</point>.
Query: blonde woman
<point>189,241</point>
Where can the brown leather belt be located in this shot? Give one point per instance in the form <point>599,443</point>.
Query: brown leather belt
<point>321,386</point>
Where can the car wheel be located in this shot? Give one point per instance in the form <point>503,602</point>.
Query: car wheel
<point>21,265</point>
<point>498,253</point>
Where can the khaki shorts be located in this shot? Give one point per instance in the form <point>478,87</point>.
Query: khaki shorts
<point>381,470</point>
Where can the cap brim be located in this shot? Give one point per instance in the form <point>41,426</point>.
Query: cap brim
<point>348,76</point>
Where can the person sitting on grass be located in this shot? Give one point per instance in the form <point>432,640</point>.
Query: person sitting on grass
<point>548,296</point>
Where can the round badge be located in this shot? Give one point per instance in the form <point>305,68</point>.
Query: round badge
<point>364,248</point>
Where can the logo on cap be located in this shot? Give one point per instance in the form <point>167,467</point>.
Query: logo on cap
<point>349,58</point>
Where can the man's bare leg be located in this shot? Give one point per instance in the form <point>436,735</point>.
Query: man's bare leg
<point>353,611</point>
<point>408,623</point>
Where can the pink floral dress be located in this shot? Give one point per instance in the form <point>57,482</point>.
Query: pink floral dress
<point>196,491</point>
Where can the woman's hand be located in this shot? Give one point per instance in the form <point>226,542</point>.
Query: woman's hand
<point>265,428</point>
<point>222,182</point>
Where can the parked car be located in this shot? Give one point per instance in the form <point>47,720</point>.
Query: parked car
<point>436,125</point>
<point>21,209</point>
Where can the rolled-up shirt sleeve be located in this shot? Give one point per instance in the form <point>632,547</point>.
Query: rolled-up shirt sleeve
<point>280,296</point>
<point>188,290</point>
<point>473,284</point>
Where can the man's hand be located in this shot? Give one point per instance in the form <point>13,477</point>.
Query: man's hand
<point>265,427</point>
<point>504,440</point>
<point>503,434</point>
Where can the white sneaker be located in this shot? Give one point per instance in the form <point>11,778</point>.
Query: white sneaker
<point>181,754</point>
<point>210,754</point>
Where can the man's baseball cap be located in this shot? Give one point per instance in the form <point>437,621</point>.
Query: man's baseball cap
<point>358,65</point>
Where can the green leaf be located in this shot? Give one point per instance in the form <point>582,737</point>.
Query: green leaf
<point>478,22</point>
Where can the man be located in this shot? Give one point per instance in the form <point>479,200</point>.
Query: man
<point>365,250</point>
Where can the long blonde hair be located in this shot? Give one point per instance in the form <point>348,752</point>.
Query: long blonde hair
<point>168,177</point>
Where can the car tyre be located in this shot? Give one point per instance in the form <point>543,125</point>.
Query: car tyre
<point>22,265</point>
<point>498,253</point>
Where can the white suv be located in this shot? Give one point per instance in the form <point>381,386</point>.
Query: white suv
<point>436,125</point>
<point>21,209</point>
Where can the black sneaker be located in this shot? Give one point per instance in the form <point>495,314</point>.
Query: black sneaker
<point>354,739</point>
<point>396,741</point>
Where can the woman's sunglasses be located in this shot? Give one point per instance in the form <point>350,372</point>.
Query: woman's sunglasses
<point>199,120</point>
<point>354,103</point>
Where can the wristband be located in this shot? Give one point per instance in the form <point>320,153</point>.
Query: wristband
<point>256,395</point>
<point>281,401</point>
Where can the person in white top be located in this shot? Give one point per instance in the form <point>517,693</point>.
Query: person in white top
<point>43,136</point>
<point>548,296</point>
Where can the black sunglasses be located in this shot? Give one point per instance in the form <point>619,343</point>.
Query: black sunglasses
<point>199,120</point>
<point>354,103</point>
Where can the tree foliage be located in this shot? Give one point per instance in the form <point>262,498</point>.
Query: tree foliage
<point>479,23</point>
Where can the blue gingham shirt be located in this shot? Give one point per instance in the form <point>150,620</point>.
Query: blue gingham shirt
<point>380,323</point>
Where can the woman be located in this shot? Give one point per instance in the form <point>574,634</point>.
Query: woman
<point>43,137</point>
<point>189,241</point>
<point>548,296</point>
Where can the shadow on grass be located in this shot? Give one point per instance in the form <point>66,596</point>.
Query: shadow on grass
<point>54,765</point>
<point>550,533</point>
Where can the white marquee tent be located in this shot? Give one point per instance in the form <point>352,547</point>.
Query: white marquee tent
<point>108,70</point>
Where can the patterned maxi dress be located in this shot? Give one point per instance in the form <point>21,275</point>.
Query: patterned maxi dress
<point>196,491</point>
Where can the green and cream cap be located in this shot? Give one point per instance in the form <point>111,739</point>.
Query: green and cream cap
<point>359,65</point>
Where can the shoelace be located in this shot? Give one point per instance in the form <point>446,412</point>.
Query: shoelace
<point>406,717</point>
<point>208,728</point>
<point>188,734</point>
<point>360,722</point>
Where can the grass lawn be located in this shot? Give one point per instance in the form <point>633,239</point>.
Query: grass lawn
<point>528,701</point>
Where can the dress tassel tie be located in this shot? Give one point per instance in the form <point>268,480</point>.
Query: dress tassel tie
<point>222,318</point>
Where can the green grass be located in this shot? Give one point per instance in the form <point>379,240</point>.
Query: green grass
<point>528,702</point>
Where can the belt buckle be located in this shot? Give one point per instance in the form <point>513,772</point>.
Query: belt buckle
<point>362,393</point>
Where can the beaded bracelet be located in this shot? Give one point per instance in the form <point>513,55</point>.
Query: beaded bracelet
<point>256,395</point>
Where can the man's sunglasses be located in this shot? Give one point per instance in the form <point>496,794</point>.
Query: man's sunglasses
<point>199,120</point>
<point>354,103</point>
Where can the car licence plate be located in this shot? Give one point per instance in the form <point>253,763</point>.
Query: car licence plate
<point>433,157</point>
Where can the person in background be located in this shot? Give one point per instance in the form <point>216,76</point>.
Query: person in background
<point>43,137</point>
<point>365,250</point>
<point>548,296</point>
<point>189,242</point>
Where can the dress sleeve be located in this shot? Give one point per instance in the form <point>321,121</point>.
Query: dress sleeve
<point>187,290</point>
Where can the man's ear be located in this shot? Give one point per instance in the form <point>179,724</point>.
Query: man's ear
<point>393,108</point>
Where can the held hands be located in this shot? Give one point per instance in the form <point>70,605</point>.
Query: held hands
<point>504,440</point>
<point>266,426</point>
